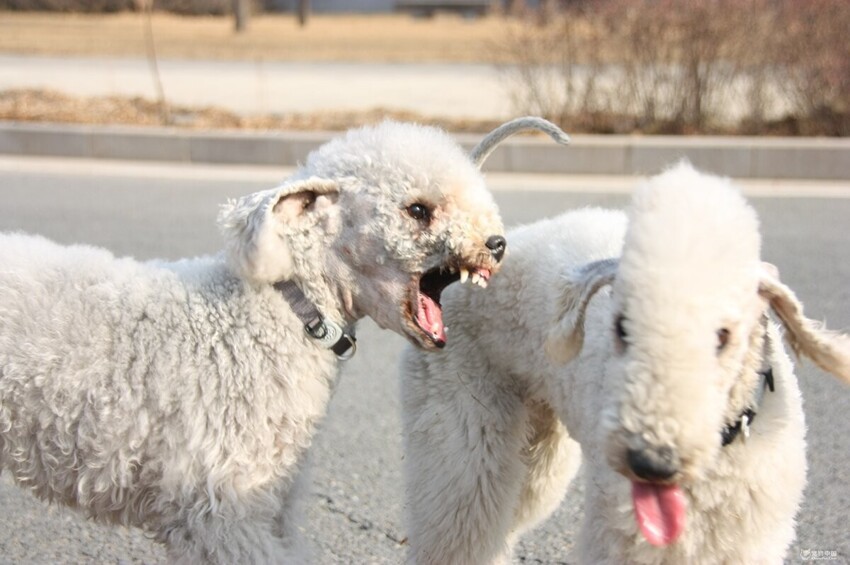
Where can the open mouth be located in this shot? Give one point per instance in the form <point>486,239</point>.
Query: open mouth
<point>427,312</point>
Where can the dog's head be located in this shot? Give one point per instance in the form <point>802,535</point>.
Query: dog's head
<point>377,223</point>
<point>686,336</point>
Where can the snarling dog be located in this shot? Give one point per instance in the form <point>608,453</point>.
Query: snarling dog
<point>182,397</point>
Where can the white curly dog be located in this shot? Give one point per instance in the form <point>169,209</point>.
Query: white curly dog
<point>680,396</point>
<point>181,397</point>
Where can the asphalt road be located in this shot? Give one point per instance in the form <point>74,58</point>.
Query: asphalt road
<point>355,510</point>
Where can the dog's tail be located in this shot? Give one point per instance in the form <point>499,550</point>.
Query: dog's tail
<point>504,131</point>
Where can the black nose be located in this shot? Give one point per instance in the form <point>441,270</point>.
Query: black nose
<point>496,244</point>
<point>658,464</point>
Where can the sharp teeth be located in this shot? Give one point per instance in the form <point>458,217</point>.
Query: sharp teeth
<point>475,278</point>
<point>464,274</point>
<point>482,283</point>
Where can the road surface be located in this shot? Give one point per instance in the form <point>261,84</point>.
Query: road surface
<point>355,510</point>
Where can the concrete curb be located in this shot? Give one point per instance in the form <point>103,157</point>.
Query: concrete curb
<point>739,157</point>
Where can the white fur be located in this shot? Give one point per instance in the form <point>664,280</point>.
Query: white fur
<point>182,397</point>
<point>491,422</point>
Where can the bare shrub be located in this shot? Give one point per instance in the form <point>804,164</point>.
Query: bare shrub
<point>814,55</point>
<point>554,66</point>
<point>707,44</point>
<point>653,65</point>
<point>649,83</point>
<point>680,66</point>
<point>678,58</point>
<point>756,62</point>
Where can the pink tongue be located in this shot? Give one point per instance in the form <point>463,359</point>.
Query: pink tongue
<point>660,511</point>
<point>430,317</point>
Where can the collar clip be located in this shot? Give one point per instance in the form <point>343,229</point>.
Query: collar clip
<point>327,333</point>
<point>745,419</point>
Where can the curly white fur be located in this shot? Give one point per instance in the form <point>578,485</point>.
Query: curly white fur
<point>182,397</point>
<point>491,423</point>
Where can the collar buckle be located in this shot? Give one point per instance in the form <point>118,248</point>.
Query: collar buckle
<point>745,426</point>
<point>745,420</point>
<point>327,333</point>
<point>330,335</point>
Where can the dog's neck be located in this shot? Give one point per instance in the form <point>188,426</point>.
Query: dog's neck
<point>742,424</point>
<point>749,392</point>
<point>325,281</point>
<point>325,331</point>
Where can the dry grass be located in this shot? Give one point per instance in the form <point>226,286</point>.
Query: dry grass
<point>34,105</point>
<point>30,105</point>
<point>373,38</point>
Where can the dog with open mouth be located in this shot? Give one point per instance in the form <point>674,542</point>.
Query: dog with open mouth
<point>182,397</point>
<point>401,212</point>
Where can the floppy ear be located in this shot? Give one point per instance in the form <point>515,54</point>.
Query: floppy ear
<point>255,226</point>
<point>567,337</point>
<point>829,350</point>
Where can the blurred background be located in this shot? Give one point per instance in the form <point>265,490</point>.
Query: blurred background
<point>752,67</point>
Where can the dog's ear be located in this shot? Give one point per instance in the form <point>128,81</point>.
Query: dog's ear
<point>255,226</point>
<point>295,200</point>
<point>829,350</point>
<point>567,335</point>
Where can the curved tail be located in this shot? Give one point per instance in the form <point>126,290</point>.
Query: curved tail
<point>494,138</point>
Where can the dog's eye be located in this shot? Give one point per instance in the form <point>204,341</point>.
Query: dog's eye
<point>722,339</point>
<point>419,211</point>
<point>620,330</point>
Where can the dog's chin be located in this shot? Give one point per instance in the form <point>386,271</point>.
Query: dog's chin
<point>423,340</point>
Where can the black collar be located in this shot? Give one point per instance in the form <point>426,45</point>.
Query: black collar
<point>742,424</point>
<point>327,333</point>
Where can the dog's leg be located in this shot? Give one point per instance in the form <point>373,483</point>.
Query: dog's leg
<point>292,512</point>
<point>464,432</point>
<point>552,460</point>
<point>240,542</point>
<point>228,535</point>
